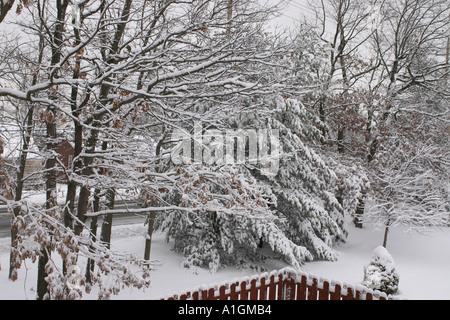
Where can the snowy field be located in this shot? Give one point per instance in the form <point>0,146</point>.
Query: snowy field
<point>422,261</point>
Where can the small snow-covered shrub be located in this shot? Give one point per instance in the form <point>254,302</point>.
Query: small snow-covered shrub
<point>380,273</point>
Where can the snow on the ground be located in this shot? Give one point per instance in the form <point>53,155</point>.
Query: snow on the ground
<point>422,261</point>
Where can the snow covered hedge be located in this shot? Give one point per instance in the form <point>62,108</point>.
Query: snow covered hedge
<point>380,274</point>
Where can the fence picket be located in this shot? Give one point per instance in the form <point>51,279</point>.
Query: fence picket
<point>272,288</point>
<point>253,290</point>
<point>323,293</point>
<point>222,293</point>
<point>357,295</point>
<point>281,289</point>
<point>291,286</point>
<point>301,288</point>
<point>263,289</point>
<point>244,291</point>
<point>233,293</point>
<point>312,290</point>
<point>211,294</point>
<point>336,295</point>
<point>185,296</point>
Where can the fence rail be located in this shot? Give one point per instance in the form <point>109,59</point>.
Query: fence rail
<point>286,284</point>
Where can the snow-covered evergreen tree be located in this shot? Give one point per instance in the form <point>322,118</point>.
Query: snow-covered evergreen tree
<point>304,185</point>
<point>380,274</point>
<point>293,212</point>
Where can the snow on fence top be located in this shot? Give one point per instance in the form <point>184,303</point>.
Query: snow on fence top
<point>285,284</point>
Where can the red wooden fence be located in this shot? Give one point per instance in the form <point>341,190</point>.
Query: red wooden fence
<point>286,284</point>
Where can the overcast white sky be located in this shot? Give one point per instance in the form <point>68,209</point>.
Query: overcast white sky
<point>295,12</point>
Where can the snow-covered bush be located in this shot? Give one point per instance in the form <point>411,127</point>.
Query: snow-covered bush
<point>380,273</point>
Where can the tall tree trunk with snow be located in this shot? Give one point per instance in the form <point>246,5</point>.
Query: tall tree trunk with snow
<point>51,201</point>
<point>152,215</point>
<point>105,235</point>
<point>78,135</point>
<point>386,232</point>
<point>148,238</point>
<point>51,144</point>
<point>93,237</point>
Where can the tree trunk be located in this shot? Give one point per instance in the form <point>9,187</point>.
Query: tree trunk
<point>341,134</point>
<point>78,140</point>
<point>447,60</point>
<point>105,236</point>
<point>93,236</point>
<point>362,200</point>
<point>322,116</point>
<point>386,232</point>
<point>42,285</point>
<point>50,185</point>
<point>106,227</point>
<point>148,240</point>
<point>83,197</point>
<point>387,227</point>
<point>50,204</point>
<point>152,215</point>
<point>359,213</point>
<point>229,16</point>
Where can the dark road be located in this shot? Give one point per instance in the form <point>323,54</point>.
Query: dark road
<point>119,219</point>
